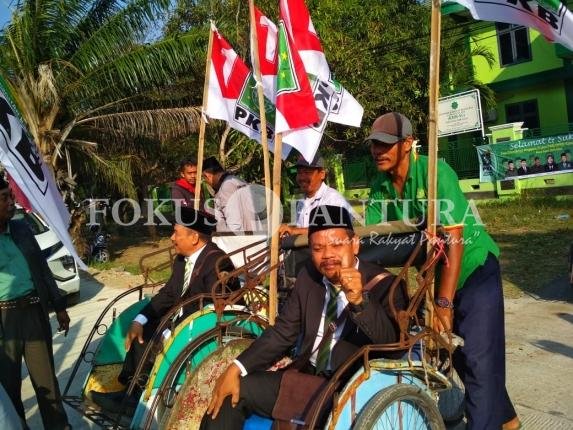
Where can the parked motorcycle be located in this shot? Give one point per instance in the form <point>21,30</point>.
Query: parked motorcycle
<point>98,250</point>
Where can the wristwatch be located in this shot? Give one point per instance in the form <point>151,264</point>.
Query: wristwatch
<point>443,302</point>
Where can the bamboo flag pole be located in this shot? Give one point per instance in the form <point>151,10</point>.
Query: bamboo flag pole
<point>201,144</point>
<point>275,213</point>
<point>262,113</point>
<point>433,134</point>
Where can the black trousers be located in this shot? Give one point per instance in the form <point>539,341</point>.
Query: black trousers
<point>259,392</point>
<point>25,333</point>
<point>134,356</point>
<point>479,320</point>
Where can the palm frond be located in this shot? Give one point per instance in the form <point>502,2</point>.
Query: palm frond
<point>118,34</point>
<point>161,124</point>
<point>142,69</point>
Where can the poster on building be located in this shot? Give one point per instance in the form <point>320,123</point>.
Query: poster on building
<point>526,157</point>
<point>460,113</point>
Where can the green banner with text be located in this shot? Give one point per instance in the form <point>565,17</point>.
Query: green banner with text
<point>526,157</point>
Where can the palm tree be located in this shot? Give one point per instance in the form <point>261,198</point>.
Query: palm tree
<point>90,82</point>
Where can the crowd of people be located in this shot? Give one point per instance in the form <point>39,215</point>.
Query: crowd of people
<point>338,304</point>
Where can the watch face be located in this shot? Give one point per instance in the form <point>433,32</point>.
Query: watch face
<point>443,302</point>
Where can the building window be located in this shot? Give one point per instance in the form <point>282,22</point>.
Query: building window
<point>524,111</point>
<point>513,44</point>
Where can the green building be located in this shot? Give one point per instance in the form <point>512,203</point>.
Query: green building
<point>532,80</point>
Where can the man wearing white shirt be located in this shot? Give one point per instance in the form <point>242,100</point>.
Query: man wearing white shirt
<point>193,273</point>
<point>361,318</point>
<point>310,178</point>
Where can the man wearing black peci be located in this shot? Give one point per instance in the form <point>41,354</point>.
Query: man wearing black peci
<point>193,273</point>
<point>330,289</point>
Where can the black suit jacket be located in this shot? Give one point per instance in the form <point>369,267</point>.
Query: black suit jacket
<point>302,313</point>
<point>202,280</point>
<point>42,277</point>
<point>521,171</point>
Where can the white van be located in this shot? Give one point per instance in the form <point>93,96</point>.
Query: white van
<point>60,260</point>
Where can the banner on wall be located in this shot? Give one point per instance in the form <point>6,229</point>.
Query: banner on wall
<point>526,157</point>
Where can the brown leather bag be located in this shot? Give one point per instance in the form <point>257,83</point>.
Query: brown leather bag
<point>299,391</point>
<point>296,401</point>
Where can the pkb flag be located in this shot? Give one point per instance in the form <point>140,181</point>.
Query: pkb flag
<point>550,17</point>
<point>232,94</point>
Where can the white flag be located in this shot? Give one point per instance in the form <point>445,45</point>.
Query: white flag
<point>20,157</point>
<point>550,17</point>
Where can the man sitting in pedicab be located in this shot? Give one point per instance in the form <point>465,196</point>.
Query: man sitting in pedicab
<point>338,304</point>
<point>193,273</point>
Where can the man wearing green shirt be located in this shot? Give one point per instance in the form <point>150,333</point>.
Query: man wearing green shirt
<point>468,294</point>
<point>27,288</point>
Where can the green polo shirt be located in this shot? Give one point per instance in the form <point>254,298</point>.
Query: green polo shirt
<point>15,276</point>
<point>453,209</point>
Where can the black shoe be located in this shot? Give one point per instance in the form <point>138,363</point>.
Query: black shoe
<point>117,401</point>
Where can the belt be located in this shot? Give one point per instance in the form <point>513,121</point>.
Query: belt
<point>20,302</point>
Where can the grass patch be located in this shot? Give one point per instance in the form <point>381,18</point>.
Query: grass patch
<point>534,235</point>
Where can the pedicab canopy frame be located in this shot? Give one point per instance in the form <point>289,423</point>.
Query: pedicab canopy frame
<point>273,204</point>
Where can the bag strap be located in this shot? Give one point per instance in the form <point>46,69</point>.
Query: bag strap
<point>375,280</point>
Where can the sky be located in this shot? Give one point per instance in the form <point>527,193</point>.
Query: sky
<point>5,12</point>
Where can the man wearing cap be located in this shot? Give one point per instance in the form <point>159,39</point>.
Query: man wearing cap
<point>194,272</point>
<point>27,291</point>
<point>234,203</point>
<point>469,294</point>
<point>329,290</point>
<point>310,178</point>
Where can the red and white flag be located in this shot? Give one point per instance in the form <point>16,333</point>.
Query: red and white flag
<point>342,107</point>
<point>232,94</point>
<point>295,99</point>
<point>267,40</point>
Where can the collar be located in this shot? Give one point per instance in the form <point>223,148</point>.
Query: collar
<point>193,257</point>
<point>224,176</point>
<point>186,185</point>
<point>319,193</point>
<point>386,181</point>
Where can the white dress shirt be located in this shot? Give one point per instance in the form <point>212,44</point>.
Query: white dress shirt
<point>142,319</point>
<point>324,196</point>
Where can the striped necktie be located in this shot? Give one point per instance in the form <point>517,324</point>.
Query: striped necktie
<point>323,355</point>
<point>187,275</point>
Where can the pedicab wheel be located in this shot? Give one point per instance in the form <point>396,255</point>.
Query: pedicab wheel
<point>451,402</point>
<point>400,407</point>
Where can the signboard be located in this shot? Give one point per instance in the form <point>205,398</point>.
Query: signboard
<point>526,157</point>
<point>460,113</point>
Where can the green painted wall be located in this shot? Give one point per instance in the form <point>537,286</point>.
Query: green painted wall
<point>542,54</point>
<point>551,105</point>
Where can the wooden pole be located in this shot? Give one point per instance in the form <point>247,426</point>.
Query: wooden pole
<point>201,144</point>
<point>262,113</point>
<point>275,240</point>
<point>434,92</point>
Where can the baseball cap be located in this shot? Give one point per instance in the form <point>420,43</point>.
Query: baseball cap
<point>317,162</point>
<point>390,128</point>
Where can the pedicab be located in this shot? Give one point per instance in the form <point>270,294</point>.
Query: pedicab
<point>380,393</point>
<point>177,346</point>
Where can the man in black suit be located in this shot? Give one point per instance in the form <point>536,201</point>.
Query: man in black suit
<point>193,273</point>
<point>27,290</point>
<point>246,387</point>
<point>523,169</point>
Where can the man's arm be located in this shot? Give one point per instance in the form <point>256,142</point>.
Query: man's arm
<point>449,277</point>
<point>49,284</point>
<point>374,317</point>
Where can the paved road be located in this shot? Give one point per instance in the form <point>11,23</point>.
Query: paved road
<point>539,354</point>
